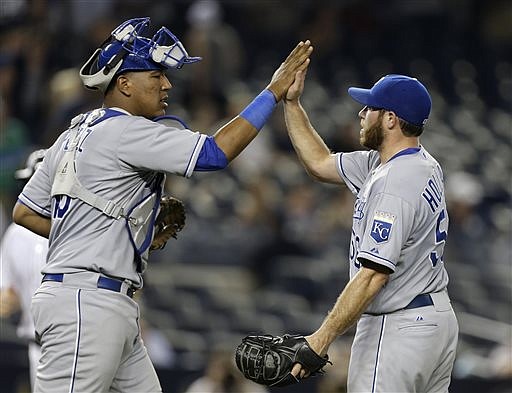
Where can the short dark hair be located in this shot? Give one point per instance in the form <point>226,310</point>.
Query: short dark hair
<point>409,129</point>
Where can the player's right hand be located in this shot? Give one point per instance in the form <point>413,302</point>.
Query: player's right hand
<point>297,60</point>
<point>297,87</point>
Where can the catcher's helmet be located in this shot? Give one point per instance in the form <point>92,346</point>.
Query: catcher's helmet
<point>128,50</point>
<point>33,161</point>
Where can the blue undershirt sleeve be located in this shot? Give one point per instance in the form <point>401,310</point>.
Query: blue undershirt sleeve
<point>211,157</point>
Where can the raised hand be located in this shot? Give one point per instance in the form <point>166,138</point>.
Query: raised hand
<point>297,87</point>
<point>297,60</point>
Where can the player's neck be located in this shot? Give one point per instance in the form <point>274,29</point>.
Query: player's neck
<point>118,101</point>
<point>390,148</point>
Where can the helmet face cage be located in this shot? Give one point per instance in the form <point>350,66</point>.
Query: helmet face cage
<point>130,35</point>
<point>129,30</point>
<point>169,51</point>
<point>163,48</point>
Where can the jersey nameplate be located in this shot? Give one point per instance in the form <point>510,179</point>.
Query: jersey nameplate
<point>433,193</point>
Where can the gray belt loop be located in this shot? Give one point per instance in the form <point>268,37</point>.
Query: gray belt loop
<point>441,300</point>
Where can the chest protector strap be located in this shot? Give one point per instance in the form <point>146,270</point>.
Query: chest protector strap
<point>66,181</point>
<point>139,219</point>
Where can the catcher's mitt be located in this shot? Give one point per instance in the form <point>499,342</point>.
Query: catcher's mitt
<point>170,220</point>
<point>268,360</point>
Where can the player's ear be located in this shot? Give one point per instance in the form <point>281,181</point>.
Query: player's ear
<point>123,84</point>
<point>390,119</point>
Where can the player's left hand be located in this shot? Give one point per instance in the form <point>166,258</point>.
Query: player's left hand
<point>314,342</point>
<point>268,359</point>
<point>170,221</point>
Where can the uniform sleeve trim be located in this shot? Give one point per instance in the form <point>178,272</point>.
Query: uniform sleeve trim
<point>377,259</point>
<point>25,200</point>
<point>341,171</point>
<point>195,155</point>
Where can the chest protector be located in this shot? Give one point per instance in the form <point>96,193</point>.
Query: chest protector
<point>139,218</point>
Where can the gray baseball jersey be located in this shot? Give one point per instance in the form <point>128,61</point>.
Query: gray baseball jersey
<point>119,159</point>
<point>400,221</point>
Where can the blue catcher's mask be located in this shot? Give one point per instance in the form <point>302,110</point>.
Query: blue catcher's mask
<point>128,50</point>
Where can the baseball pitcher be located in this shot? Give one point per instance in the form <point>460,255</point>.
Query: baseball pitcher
<point>407,331</point>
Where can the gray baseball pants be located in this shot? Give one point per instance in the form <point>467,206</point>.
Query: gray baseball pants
<point>90,339</point>
<point>405,351</point>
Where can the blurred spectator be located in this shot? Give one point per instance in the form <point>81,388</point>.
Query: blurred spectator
<point>159,349</point>
<point>335,379</point>
<point>14,144</point>
<point>500,361</point>
<point>4,219</point>
<point>463,197</point>
<point>66,98</point>
<point>22,256</point>
<point>219,46</point>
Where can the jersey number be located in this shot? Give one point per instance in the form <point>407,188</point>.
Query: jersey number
<point>354,248</point>
<point>440,240</point>
<point>61,206</point>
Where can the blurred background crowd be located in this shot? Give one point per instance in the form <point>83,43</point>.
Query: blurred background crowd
<point>265,247</point>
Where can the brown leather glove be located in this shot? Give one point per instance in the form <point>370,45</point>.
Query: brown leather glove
<point>170,221</point>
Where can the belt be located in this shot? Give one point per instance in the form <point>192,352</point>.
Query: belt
<point>103,283</point>
<point>422,300</point>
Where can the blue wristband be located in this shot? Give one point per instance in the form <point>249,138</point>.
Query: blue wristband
<point>260,109</point>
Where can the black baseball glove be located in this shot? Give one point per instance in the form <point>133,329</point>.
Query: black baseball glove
<point>170,220</point>
<point>268,360</point>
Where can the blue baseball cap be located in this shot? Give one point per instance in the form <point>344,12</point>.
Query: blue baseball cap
<point>405,96</point>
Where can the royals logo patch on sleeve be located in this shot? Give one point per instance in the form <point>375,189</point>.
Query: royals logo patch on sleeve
<point>381,226</point>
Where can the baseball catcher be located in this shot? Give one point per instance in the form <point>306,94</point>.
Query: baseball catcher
<point>170,221</point>
<point>268,360</point>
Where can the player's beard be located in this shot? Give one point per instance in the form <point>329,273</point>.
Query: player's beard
<point>373,137</point>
